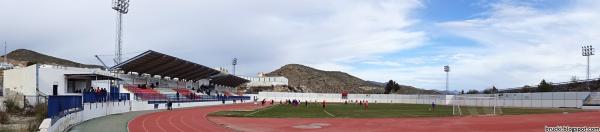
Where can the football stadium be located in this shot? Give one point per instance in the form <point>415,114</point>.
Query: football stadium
<point>164,86</point>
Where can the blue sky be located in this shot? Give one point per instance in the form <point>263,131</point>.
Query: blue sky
<point>506,43</point>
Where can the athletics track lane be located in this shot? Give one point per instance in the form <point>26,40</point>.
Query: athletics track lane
<point>183,120</point>
<point>194,120</point>
<point>508,123</point>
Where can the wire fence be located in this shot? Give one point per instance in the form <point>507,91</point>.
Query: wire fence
<point>542,99</point>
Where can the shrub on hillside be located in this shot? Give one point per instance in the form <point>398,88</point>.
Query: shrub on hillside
<point>544,86</point>
<point>12,106</point>
<point>41,111</point>
<point>473,91</point>
<point>526,89</point>
<point>4,117</point>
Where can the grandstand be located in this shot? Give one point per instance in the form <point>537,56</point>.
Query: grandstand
<point>155,76</point>
<point>145,82</point>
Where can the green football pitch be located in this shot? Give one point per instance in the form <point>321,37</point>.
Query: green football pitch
<point>380,110</point>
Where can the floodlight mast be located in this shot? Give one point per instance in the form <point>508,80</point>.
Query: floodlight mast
<point>587,51</point>
<point>234,62</point>
<point>122,7</point>
<point>447,70</point>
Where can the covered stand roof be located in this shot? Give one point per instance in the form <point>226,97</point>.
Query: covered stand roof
<point>228,80</point>
<point>91,77</point>
<point>155,63</point>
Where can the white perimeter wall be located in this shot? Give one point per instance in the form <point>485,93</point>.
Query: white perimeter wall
<point>95,110</point>
<point>90,111</point>
<point>547,99</point>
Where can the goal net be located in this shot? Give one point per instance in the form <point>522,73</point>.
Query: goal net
<point>477,105</point>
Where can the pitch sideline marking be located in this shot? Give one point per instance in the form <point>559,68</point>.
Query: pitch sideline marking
<point>259,111</point>
<point>328,113</point>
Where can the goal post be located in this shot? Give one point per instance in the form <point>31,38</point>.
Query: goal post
<point>480,104</point>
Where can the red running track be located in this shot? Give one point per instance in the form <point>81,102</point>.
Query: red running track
<point>183,120</point>
<point>194,119</point>
<point>512,123</point>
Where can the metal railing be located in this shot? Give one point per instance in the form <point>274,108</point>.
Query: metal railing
<point>92,97</point>
<point>153,97</point>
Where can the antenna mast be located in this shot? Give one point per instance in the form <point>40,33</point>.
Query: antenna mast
<point>5,54</point>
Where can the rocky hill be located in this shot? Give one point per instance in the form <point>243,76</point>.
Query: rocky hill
<point>23,57</point>
<point>308,79</point>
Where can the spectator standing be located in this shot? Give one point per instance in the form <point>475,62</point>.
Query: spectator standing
<point>170,105</point>
<point>306,103</point>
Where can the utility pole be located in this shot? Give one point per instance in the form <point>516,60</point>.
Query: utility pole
<point>5,54</point>
<point>587,51</point>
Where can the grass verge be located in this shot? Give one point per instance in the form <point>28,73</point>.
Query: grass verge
<point>381,110</point>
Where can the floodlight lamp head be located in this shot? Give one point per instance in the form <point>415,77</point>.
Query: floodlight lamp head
<point>587,50</point>
<point>446,68</point>
<point>122,6</point>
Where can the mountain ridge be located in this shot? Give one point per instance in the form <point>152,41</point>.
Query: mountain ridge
<point>310,79</point>
<point>24,57</point>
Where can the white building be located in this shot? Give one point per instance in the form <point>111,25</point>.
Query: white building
<point>68,80</point>
<point>263,81</point>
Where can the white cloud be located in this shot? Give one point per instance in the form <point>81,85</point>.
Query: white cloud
<point>262,34</point>
<point>520,44</point>
<point>523,45</point>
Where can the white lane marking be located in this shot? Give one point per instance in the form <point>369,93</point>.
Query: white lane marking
<point>259,111</point>
<point>328,113</point>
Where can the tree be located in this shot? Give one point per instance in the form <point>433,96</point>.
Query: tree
<point>472,91</point>
<point>526,89</point>
<point>491,90</point>
<point>462,91</point>
<point>396,87</point>
<point>544,86</point>
<point>573,84</point>
<point>574,79</point>
<point>487,91</point>
<point>389,86</point>
<point>595,85</point>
